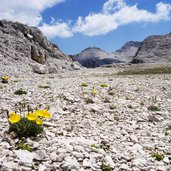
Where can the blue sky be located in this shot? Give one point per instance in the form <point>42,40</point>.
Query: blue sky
<point>77,24</point>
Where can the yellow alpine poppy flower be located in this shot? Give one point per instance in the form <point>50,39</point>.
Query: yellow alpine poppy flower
<point>14,118</point>
<point>39,121</point>
<point>46,114</point>
<point>5,78</point>
<point>31,116</point>
<point>94,91</point>
<point>39,112</point>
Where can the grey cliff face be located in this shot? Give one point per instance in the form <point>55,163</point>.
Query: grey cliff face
<point>25,46</point>
<point>154,49</point>
<point>95,57</point>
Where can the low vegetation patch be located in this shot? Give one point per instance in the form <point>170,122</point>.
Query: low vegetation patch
<point>159,70</point>
<point>158,156</point>
<point>103,85</point>
<point>24,146</point>
<point>89,100</point>
<point>20,92</point>
<point>153,108</point>
<point>4,79</point>
<point>44,86</point>
<point>84,85</point>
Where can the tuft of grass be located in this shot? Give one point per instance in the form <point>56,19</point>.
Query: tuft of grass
<point>153,108</point>
<point>158,156</point>
<point>103,85</point>
<point>44,86</point>
<point>89,101</point>
<point>20,92</point>
<point>130,106</point>
<point>112,107</point>
<point>95,146</point>
<point>158,70</point>
<point>106,100</point>
<point>166,133</point>
<point>84,85</point>
<point>105,167</point>
<point>111,93</point>
<point>23,146</point>
<point>142,103</point>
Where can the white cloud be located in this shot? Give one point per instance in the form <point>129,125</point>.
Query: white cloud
<point>25,12</point>
<point>116,13</point>
<point>54,29</point>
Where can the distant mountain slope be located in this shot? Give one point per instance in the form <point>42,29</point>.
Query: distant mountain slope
<point>95,57</point>
<point>154,49</point>
<point>22,47</point>
<point>127,51</point>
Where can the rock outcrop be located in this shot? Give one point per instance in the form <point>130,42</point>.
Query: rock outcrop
<point>22,47</point>
<point>154,49</point>
<point>95,57</point>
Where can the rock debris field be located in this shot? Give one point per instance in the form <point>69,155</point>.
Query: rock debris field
<point>124,126</point>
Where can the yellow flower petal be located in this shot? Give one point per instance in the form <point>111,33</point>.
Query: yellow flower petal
<point>94,91</point>
<point>39,121</point>
<point>31,116</point>
<point>46,114</point>
<point>14,118</point>
<point>39,112</point>
<point>5,78</point>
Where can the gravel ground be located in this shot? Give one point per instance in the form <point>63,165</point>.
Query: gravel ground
<point>113,129</point>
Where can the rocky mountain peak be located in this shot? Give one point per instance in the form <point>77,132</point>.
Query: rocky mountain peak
<point>21,45</point>
<point>128,45</point>
<point>154,49</point>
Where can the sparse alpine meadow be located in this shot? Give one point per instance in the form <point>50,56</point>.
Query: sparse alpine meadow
<point>98,120</point>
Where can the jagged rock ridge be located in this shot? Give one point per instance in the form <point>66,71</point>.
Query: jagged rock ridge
<point>154,49</point>
<point>23,47</point>
<point>95,57</point>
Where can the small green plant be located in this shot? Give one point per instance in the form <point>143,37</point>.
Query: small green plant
<point>89,100</point>
<point>130,106</point>
<point>158,156</point>
<point>4,79</point>
<point>142,103</point>
<point>44,86</point>
<point>105,167</point>
<point>27,123</point>
<point>95,146</point>
<point>112,107</point>
<point>103,85</point>
<point>106,100</point>
<point>84,85</point>
<point>166,133</point>
<point>94,91</point>
<point>110,92</point>
<point>153,108</point>
<point>20,92</point>
<point>24,146</point>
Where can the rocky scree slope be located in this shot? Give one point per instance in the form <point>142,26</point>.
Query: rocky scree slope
<point>154,49</point>
<point>113,129</point>
<point>23,48</point>
<point>95,57</point>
